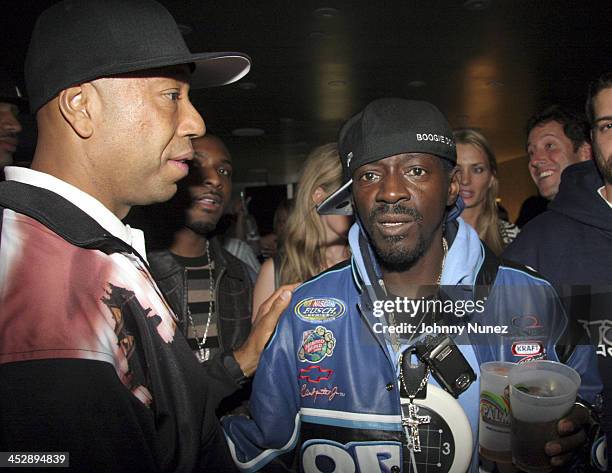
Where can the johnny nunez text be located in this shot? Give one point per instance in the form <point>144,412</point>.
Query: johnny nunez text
<point>435,329</point>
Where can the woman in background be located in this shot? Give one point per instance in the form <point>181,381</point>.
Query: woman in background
<point>311,242</point>
<point>478,189</point>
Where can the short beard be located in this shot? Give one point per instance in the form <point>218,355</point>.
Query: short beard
<point>393,260</point>
<point>604,164</point>
<point>201,228</point>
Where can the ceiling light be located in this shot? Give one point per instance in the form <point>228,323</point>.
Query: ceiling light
<point>247,85</point>
<point>316,35</point>
<point>415,84</point>
<point>326,12</point>
<point>476,5</point>
<point>248,132</point>
<point>496,84</point>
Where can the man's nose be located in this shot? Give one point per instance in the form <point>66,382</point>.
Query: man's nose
<point>537,158</point>
<point>392,189</point>
<point>9,122</point>
<point>211,177</point>
<point>191,122</point>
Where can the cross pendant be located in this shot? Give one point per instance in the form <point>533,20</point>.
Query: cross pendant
<point>203,354</point>
<point>411,426</point>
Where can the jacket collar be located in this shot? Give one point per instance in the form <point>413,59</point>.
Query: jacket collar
<point>60,216</point>
<point>164,264</point>
<point>463,262</point>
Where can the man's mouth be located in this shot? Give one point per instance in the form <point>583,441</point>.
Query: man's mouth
<point>8,143</point>
<point>182,162</point>
<point>544,174</point>
<point>208,201</point>
<point>394,225</point>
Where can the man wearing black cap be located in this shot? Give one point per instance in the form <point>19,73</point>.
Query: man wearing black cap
<point>91,361</point>
<point>373,364</point>
<point>10,101</point>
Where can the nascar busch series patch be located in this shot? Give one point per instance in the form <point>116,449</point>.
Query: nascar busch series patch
<point>320,309</point>
<point>316,345</point>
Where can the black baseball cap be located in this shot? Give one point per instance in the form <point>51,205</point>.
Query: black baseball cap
<point>76,41</point>
<point>10,92</point>
<point>386,127</point>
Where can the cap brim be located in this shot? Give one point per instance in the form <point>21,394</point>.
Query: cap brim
<point>338,203</point>
<point>21,103</point>
<point>215,69</point>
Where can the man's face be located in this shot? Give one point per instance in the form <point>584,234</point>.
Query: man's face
<point>550,151</point>
<point>602,133</point>
<point>401,201</point>
<point>9,129</point>
<point>142,136</point>
<point>209,184</point>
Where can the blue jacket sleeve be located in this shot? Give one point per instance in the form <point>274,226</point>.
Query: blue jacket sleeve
<point>273,429</point>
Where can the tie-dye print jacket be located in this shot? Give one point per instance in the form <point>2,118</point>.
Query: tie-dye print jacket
<point>91,362</point>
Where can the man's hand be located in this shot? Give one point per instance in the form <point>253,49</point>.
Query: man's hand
<point>573,431</point>
<point>248,354</point>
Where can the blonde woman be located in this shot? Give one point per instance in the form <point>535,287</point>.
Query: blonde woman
<point>312,242</point>
<point>478,190</point>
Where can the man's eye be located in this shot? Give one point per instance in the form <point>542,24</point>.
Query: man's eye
<point>225,171</point>
<point>368,176</point>
<point>174,96</point>
<point>417,172</point>
<point>605,127</point>
<point>549,146</point>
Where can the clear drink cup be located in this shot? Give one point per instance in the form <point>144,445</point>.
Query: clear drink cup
<point>494,423</point>
<point>541,393</point>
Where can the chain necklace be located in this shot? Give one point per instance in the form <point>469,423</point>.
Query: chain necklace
<point>394,337</point>
<point>422,384</point>
<point>411,420</point>
<point>203,354</point>
<point>445,252</point>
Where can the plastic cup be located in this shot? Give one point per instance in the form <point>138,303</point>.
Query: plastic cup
<point>494,424</point>
<point>541,393</point>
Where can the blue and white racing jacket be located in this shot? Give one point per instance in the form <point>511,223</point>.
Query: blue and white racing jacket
<point>325,396</point>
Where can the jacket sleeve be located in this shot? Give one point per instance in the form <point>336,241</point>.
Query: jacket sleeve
<point>274,427</point>
<point>76,406</point>
<point>584,361</point>
<point>522,250</point>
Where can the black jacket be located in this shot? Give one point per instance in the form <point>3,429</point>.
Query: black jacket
<point>233,292</point>
<point>81,389</point>
<point>570,243</point>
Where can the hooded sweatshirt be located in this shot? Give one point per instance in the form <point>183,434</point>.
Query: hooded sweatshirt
<point>570,243</point>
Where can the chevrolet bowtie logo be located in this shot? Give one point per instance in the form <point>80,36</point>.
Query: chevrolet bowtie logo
<point>315,374</point>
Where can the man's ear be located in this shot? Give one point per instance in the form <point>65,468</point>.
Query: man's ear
<point>453,187</point>
<point>73,105</point>
<point>585,152</point>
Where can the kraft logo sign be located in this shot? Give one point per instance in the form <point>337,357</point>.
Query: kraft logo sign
<point>527,348</point>
<point>318,310</point>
